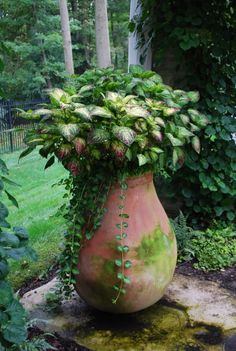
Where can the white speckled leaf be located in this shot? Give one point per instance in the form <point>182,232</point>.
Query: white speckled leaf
<point>99,136</point>
<point>142,160</point>
<point>69,131</point>
<point>84,113</point>
<point>101,112</point>
<point>124,134</point>
<point>136,111</point>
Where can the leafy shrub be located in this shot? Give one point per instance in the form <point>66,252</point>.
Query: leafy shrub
<point>134,120</point>
<point>184,235</point>
<point>215,249</point>
<point>14,246</point>
<point>196,40</point>
<point>208,250</point>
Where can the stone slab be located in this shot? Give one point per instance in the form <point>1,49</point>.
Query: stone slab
<point>193,315</point>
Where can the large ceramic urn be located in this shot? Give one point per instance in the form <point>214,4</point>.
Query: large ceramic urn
<point>152,251</point>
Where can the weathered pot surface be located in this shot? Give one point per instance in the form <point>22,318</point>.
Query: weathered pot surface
<point>152,251</point>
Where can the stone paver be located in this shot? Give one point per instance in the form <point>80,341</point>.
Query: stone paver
<point>192,312</point>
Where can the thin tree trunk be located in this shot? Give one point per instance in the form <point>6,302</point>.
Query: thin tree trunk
<point>102,34</point>
<point>48,80</point>
<point>135,52</point>
<point>65,27</point>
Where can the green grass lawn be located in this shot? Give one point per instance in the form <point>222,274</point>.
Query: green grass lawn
<point>38,204</point>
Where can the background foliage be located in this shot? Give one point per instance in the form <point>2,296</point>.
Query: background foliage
<point>213,249</point>
<point>32,47</point>
<point>194,46</point>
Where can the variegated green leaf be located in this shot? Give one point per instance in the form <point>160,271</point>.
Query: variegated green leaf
<point>174,157</point>
<point>101,112</point>
<point>160,122</point>
<point>196,144</point>
<point>124,134</point>
<point>198,118</point>
<point>179,92</point>
<point>129,154</point>
<point>157,150</point>
<point>194,128</point>
<point>185,119</point>
<point>84,113</point>
<point>193,96</point>
<point>183,132</point>
<point>136,111</point>
<point>182,101</point>
<point>170,111</point>
<point>181,155</point>
<point>203,121</point>
<point>194,115</point>
<point>69,131</point>
<point>86,88</point>
<point>112,96</point>
<point>174,141</point>
<point>99,136</point>
<point>128,98</point>
<point>42,111</point>
<point>142,160</point>
<point>58,95</point>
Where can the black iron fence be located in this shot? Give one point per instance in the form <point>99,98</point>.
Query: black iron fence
<point>13,127</point>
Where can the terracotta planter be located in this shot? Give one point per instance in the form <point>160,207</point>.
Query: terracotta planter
<point>152,251</point>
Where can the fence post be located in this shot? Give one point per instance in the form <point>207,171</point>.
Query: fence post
<point>10,123</point>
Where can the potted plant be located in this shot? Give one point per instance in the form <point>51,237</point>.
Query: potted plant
<point>113,131</point>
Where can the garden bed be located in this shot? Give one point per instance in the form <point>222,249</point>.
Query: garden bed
<point>225,277</point>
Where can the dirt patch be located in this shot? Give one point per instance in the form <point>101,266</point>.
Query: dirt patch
<point>226,278</point>
<point>39,281</point>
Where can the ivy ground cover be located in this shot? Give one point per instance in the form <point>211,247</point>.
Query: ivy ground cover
<point>38,205</point>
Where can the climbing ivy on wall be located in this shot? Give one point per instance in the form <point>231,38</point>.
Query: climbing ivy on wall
<point>194,45</point>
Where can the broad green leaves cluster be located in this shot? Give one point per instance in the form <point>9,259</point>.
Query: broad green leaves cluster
<point>13,246</point>
<point>196,42</point>
<point>215,249</point>
<point>132,121</point>
<point>210,250</point>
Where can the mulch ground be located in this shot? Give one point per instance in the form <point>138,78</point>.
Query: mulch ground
<point>226,278</point>
<point>39,281</point>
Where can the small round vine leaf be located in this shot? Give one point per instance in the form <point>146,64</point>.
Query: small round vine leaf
<point>118,262</point>
<point>128,264</point>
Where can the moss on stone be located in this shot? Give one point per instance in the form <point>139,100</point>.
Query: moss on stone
<point>160,327</point>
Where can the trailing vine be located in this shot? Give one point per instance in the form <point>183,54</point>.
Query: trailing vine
<point>121,263</point>
<point>84,215</point>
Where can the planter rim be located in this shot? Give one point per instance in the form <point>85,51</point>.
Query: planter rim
<point>138,180</point>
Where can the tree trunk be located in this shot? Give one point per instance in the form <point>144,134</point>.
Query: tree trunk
<point>102,34</point>
<point>47,77</point>
<point>135,52</point>
<point>65,27</point>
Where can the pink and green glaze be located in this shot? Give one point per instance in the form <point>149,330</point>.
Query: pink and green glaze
<point>152,251</point>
